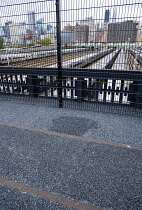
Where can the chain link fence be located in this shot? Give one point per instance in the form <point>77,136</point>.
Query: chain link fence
<point>83,55</point>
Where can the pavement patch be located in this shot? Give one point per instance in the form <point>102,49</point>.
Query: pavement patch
<point>74,136</point>
<point>73,125</point>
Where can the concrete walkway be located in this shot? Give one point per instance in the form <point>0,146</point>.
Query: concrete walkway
<point>88,160</point>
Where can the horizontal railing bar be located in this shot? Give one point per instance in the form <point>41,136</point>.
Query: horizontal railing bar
<point>29,71</point>
<point>28,85</point>
<point>77,73</point>
<point>103,74</point>
<point>27,95</point>
<point>94,89</point>
<point>69,87</point>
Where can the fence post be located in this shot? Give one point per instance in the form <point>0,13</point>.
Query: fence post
<point>58,23</point>
<point>33,86</point>
<point>81,89</point>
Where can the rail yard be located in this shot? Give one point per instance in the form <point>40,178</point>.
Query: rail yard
<point>130,59</point>
<point>95,89</point>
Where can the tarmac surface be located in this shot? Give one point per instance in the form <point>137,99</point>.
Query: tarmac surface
<point>102,126</point>
<point>12,199</point>
<point>64,161</point>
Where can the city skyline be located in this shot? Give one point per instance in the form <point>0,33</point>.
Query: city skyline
<point>89,19</point>
<point>17,11</point>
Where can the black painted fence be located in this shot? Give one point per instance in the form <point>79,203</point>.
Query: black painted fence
<point>90,85</point>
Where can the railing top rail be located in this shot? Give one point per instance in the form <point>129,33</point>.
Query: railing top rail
<point>75,72</point>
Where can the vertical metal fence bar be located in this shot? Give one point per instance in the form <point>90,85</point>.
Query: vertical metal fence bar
<point>105,87</point>
<point>89,91</point>
<point>58,22</point>
<point>64,85</point>
<point>121,89</point>
<point>139,96</point>
<point>51,83</point>
<point>79,89</point>
<point>4,88</point>
<point>6,76</point>
<point>71,87</point>
<point>113,88</point>
<point>97,92</point>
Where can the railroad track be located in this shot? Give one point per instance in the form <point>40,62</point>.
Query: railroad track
<point>46,61</point>
<point>134,60</point>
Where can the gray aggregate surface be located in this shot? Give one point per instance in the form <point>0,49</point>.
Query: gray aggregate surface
<point>12,199</point>
<point>103,126</point>
<point>103,176</point>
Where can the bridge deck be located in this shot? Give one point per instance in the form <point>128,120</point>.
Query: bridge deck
<point>91,160</point>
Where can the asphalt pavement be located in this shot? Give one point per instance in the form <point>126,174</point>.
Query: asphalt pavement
<point>102,126</point>
<point>95,174</point>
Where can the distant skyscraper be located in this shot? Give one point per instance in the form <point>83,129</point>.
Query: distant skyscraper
<point>6,29</point>
<point>82,33</point>
<point>107,12</point>
<point>40,26</point>
<point>22,23</point>
<point>17,33</point>
<point>114,14</point>
<point>1,30</point>
<point>31,21</point>
<point>122,32</point>
<point>49,27</point>
<point>92,28</point>
<point>68,37</point>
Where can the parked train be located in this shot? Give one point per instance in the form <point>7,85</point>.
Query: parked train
<point>15,57</point>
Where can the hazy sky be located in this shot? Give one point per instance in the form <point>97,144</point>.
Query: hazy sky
<point>72,10</point>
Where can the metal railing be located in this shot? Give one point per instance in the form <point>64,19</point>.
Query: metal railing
<point>115,81</point>
<point>91,85</point>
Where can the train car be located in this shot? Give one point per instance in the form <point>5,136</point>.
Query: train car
<point>17,57</point>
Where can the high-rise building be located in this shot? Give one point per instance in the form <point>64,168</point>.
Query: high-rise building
<point>68,37</point>
<point>113,15</point>
<point>90,22</point>
<point>122,32</point>
<point>23,32</point>
<point>6,29</point>
<point>22,23</point>
<point>1,30</point>
<point>31,21</point>
<point>82,33</point>
<point>68,27</point>
<point>107,13</point>
<point>49,27</point>
<point>16,33</point>
<point>40,26</point>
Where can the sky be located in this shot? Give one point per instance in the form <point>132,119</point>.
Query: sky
<point>71,11</point>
